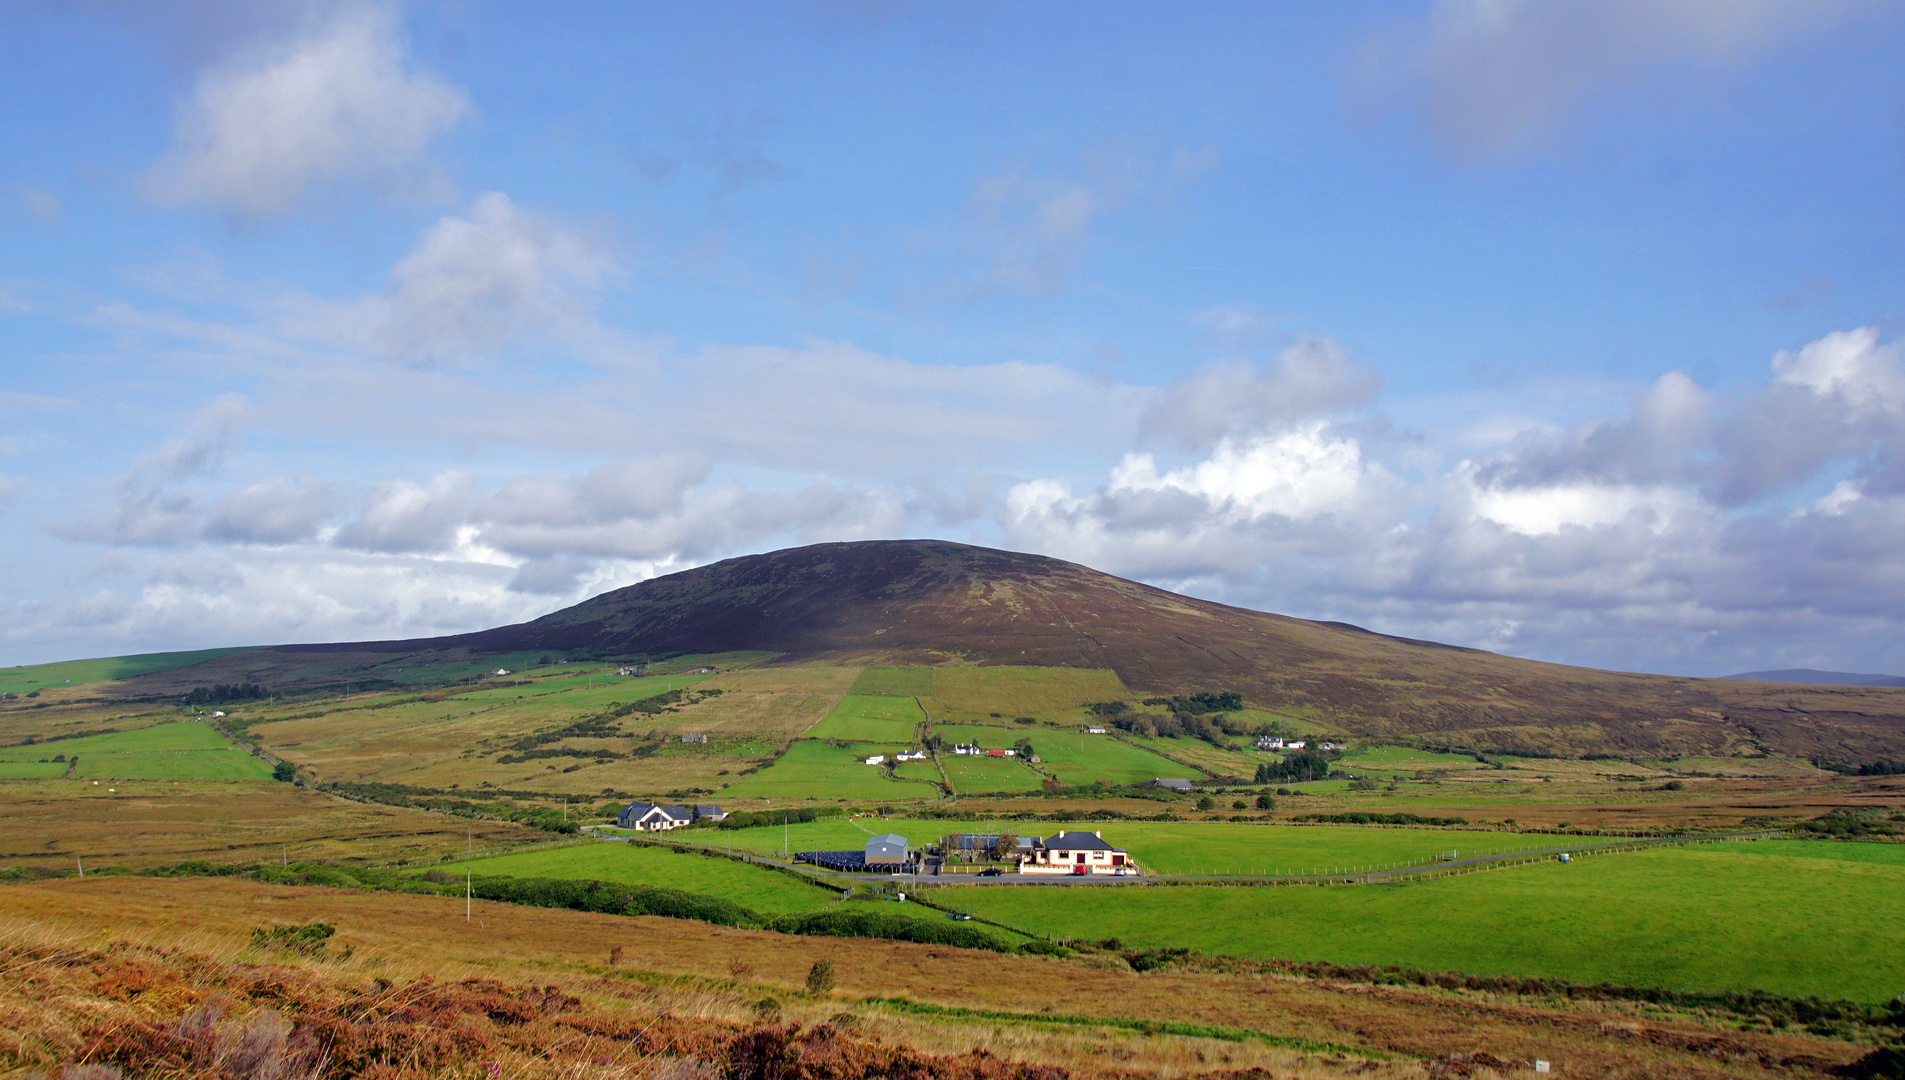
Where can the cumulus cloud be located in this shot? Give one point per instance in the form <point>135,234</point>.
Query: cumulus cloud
<point>469,286</point>
<point>263,133</point>
<point>1314,376</point>
<point>273,511</point>
<point>401,516</point>
<point>146,508</point>
<point>1498,75</point>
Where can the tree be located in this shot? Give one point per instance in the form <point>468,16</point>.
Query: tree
<point>1206,802</point>
<point>284,772</point>
<point>1265,801</point>
<point>1024,747</point>
<point>1008,843</point>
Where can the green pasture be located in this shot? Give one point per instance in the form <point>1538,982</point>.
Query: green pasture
<point>230,763</point>
<point>1024,691</point>
<point>1226,847</point>
<point>873,718</point>
<point>31,770</point>
<point>1790,917</point>
<point>177,735</point>
<point>1072,757</point>
<point>29,677</point>
<point>918,770</point>
<point>1220,760</point>
<point>770,892</point>
<point>181,750</point>
<point>983,776</point>
<point>815,770</point>
<point>1405,759</point>
<point>895,681</point>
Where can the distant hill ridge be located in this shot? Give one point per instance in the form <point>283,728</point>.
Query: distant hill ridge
<point>933,602</point>
<point>1815,677</point>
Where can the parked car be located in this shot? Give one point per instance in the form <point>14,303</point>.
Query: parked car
<point>959,917</point>
<point>991,871</point>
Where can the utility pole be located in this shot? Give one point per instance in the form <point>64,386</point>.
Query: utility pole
<point>466,895</point>
<point>82,867</point>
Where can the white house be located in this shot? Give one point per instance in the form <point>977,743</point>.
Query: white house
<point>1077,853</point>
<point>650,817</point>
<point>500,671</point>
<point>1094,729</point>
<point>910,755</point>
<point>1295,744</point>
<point>1269,742</point>
<point>877,759</point>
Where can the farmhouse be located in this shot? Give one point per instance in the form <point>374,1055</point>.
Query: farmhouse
<point>1094,729</point>
<point>1077,853</point>
<point>1174,785</point>
<point>694,737</point>
<point>886,851</point>
<point>910,755</point>
<point>651,817</point>
<point>1269,742</point>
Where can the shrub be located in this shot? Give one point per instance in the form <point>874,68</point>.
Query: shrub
<point>820,977</point>
<point>863,923</point>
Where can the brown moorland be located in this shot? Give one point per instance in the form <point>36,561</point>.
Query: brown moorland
<point>143,823</point>
<point>121,970</point>
<point>932,602</point>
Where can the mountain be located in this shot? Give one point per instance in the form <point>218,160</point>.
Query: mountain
<point>934,602</point>
<point>1815,677</point>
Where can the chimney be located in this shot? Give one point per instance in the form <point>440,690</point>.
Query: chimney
<point>1099,833</point>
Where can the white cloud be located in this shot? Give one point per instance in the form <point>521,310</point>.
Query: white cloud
<point>400,516</point>
<point>1234,397</point>
<point>273,511</point>
<point>469,286</point>
<point>1499,75</point>
<point>263,133</point>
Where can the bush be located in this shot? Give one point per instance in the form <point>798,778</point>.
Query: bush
<point>880,924</point>
<point>1041,947</point>
<point>305,940</point>
<point>284,772</point>
<point>820,977</point>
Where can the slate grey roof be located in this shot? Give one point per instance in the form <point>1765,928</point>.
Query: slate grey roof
<point>1077,841</point>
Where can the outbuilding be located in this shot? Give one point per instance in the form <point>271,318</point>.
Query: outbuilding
<point>886,851</point>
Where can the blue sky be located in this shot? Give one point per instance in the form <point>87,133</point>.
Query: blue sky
<point>1568,329</point>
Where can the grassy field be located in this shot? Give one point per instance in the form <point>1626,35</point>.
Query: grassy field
<point>443,737</point>
<point>1081,759</point>
<point>1727,916</point>
<point>30,677</point>
<point>871,718</point>
<point>770,892</point>
<point>181,750</point>
<point>981,776</point>
<point>815,770</point>
<point>1044,692</point>
<point>897,681</point>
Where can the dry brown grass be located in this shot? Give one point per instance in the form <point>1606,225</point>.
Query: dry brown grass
<point>152,822</point>
<point>159,997</point>
<point>717,974</point>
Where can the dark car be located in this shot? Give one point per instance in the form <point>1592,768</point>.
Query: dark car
<point>960,917</point>
<point>991,871</point>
